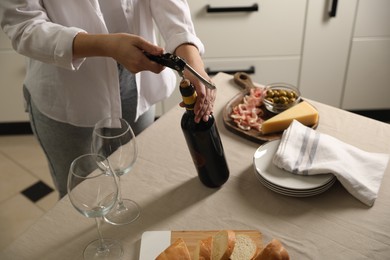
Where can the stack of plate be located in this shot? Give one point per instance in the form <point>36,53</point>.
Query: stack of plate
<point>284,182</point>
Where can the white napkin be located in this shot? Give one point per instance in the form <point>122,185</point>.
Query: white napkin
<point>303,150</point>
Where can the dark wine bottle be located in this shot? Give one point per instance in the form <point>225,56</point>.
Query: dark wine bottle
<point>203,141</point>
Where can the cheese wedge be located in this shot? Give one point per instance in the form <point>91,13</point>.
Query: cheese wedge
<point>302,112</point>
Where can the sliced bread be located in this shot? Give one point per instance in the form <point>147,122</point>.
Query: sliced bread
<point>274,250</point>
<point>203,249</point>
<point>244,249</point>
<point>178,250</point>
<point>223,245</point>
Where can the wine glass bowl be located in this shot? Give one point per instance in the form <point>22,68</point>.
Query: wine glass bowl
<point>114,139</point>
<point>93,191</point>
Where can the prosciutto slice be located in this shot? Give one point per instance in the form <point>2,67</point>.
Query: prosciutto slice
<point>247,115</point>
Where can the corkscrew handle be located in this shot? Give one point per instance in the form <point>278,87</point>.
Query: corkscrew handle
<point>176,63</point>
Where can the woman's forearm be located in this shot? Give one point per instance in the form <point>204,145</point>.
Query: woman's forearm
<point>90,45</point>
<point>125,48</point>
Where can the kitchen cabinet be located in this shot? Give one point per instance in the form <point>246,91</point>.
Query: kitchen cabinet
<point>326,51</point>
<point>346,58</point>
<point>262,38</point>
<point>12,73</point>
<point>367,83</point>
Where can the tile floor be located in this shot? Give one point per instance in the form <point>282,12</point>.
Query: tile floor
<point>26,188</point>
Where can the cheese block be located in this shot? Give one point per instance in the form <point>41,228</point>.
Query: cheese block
<point>302,112</point>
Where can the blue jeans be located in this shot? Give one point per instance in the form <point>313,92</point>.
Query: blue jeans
<point>62,142</point>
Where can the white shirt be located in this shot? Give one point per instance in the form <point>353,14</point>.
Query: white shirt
<point>83,91</point>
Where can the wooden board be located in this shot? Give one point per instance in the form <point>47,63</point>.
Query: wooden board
<point>244,81</point>
<point>192,237</point>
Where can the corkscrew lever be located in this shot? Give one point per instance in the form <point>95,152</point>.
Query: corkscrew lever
<point>176,63</point>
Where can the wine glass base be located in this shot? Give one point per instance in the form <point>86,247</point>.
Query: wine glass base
<point>112,250</point>
<point>125,212</point>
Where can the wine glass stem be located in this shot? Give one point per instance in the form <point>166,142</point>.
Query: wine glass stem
<point>103,247</point>
<point>120,205</point>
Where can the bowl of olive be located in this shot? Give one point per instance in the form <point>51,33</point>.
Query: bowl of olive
<point>278,97</point>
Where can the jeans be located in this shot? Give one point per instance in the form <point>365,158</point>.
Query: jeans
<point>62,142</point>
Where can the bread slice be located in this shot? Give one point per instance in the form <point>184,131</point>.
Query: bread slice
<point>274,250</point>
<point>244,249</point>
<point>176,251</point>
<point>203,249</point>
<point>223,245</point>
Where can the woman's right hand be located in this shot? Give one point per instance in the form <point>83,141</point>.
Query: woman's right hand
<point>126,49</point>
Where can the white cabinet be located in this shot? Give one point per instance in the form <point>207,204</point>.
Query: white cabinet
<point>326,50</point>
<point>12,72</point>
<point>346,58</point>
<point>263,38</point>
<point>247,34</point>
<point>367,83</point>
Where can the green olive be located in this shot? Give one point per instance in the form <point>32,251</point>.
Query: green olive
<point>270,93</point>
<point>276,93</point>
<point>281,96</point>
<point>284,100</point>
<point>283,93</point>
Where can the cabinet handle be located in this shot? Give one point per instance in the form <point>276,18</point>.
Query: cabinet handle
<point>253,8</point>
<point>333,9</point>
<point>250,70</point>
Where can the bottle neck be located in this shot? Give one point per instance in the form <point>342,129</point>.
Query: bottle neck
<point>188,94</point>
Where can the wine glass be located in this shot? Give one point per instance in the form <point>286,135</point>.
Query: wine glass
<point>114,139</point>
<point>93,191</point>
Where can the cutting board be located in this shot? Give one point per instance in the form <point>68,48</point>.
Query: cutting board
<point>154,242</point>
<point>245,82</point>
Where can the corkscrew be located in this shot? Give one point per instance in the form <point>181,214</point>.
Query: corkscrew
<point>176,63</point>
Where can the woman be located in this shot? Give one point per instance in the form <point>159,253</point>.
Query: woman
<point>86,61</point>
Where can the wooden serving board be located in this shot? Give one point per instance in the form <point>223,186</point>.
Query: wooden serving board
<point>244,81</point>
<point>192,237</point>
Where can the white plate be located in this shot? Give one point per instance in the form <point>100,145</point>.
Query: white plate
<point>325,186</point>
<point>262,161</point>
<point>292,193</point>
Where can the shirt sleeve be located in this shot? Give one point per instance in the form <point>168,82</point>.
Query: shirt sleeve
<point>175,23</point>
<point>32,33</point>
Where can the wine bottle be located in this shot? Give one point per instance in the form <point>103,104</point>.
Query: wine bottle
<point>203,141</point>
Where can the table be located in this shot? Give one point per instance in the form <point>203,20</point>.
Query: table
<point>332,225</point>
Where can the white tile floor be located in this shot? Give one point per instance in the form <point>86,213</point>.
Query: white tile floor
<point>22,164</point>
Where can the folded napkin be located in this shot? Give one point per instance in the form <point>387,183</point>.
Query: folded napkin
<point>305,151</point>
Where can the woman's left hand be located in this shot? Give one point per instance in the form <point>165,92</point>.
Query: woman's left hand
<point>206,97</point>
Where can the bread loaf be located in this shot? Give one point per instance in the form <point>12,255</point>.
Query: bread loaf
<point>223,244</point>
<point>203,249</point>
<point>274,250</point>
<point>244,249</point>
<point>176,251</point>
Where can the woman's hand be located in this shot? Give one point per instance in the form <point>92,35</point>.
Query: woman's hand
<point>206,97</point>
<point>127,49</point>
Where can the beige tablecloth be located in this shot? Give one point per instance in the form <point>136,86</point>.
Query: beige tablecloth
<point>332,225</point>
